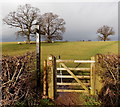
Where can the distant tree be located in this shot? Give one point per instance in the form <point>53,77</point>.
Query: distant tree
<point>105,31</point>
<point>89,40</point>
<point>52,26</point>
<point>24,18</point>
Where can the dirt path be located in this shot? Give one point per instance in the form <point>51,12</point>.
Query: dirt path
<point>69,99</point>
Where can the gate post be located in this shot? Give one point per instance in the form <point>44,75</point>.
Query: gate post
<point>45,81</point>
<point>98,79</point>
<point>51,65</point>
<point>92,77</point>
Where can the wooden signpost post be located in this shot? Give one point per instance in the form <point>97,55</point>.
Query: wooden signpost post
<point>38,49</point>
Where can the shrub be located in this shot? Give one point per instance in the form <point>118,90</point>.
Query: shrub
<point>18,83</point>
<point>108,70</point>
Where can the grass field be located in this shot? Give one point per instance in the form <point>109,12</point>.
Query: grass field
<point>67,50</point>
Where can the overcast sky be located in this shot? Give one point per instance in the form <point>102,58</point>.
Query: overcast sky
<point>82,18</point>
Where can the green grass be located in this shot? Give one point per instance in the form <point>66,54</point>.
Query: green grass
<point>89,100</point>
<point>79,50</point>
<point>12,48</point>
<point>67,50</point>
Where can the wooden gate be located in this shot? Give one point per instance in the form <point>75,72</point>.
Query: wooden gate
<point>51,76</point>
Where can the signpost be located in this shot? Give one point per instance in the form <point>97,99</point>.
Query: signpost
<point>38,49</point>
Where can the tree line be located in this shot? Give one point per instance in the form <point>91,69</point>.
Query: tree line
<point>52,27</point>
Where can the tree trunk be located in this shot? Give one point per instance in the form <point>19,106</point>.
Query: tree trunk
<point>28,35</point>
<point>49,39</point>
<point>28,38</point>
<point>105,37</point>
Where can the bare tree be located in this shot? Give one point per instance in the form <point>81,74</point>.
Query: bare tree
<point>52,26</point>
<point>105,31</point>
<point>24,18</point>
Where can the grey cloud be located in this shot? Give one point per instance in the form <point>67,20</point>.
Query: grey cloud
<point>82,19</point>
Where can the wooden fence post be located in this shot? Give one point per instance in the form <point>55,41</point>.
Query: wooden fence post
<point>92,77</point>
<point>51,64</point>
<point>98,80</point>
<point>45,82</point>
